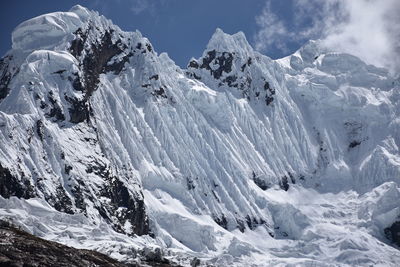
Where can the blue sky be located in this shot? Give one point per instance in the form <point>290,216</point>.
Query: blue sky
<point>181,28</point>
<point>369,29</point>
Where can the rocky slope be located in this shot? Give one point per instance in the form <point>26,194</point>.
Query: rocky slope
<point>237,158</point>
<point>19,248</point>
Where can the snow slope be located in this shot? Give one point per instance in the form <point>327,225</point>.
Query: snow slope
<point>237,159</point>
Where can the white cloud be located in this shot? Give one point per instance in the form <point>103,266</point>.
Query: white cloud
<point>371,32</point>
<point>369,29</point>
<point>272,30</point>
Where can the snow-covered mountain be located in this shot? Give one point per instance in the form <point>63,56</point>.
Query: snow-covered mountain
<point>237,159</point>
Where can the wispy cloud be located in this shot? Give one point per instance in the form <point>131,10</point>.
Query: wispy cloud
<point>369,29</point>
<point>149,6</point>
<point>139,6</point>
<point>273,30</point>
<point>136,6</point>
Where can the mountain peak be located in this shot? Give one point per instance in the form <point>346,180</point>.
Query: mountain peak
<point>223,42</point>
<point>45,31</point>
<point>81,11</point>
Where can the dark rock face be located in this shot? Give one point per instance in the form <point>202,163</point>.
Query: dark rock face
<point>248,63</point>
<point>292,179</point>
<point>155,77</point>
<point>190,183</point>
<point>221,67</point>
<point>393,233</point>
<point>208,59</point>
<point>55,111</point>
<point>93,62</point>
<point>269,93</point>
<point>284,183</point>
<point>224,62</point>
<point>195,262</point>
<point>193,64</point>
<point>78,43</point>
<point>134,209</point>
<point>40,129</point>
<point>260,182</point>
<point>160,92</point>
<point>96,58</point>
<point>231,81</point>
<point>221,221</point>
<point>22,249</point>
<point>11,186</point>
<point>241,223</point>
<point>124,205</point>
<point>253,222</point>
<point>354,144</point>
<point>6,75</point>
<point>79,110</point>
<point>4,81</point>
<point>62,202</point>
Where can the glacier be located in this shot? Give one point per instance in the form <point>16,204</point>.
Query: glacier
<point>236,160</point>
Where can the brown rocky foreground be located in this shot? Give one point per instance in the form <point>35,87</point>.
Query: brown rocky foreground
<point>19,249</point>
